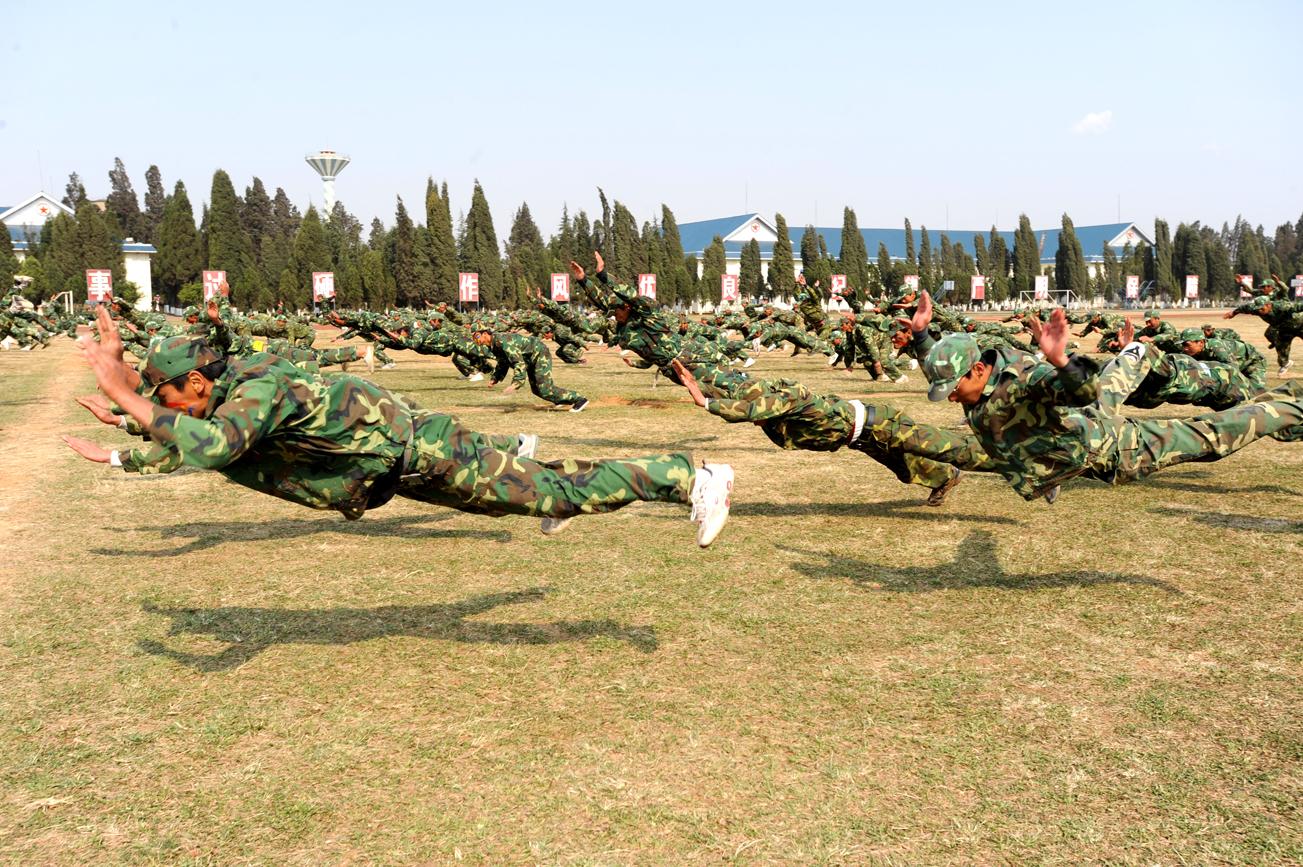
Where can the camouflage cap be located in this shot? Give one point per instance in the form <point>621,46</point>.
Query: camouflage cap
<point>189,311</point>
<point>948,361</point>
<point>173,357</point>
<point>1189,334</point>
<point>1153,314</point>
<point>1260,300</point>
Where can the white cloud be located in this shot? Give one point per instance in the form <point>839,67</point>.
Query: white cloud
<point>1094,123</point>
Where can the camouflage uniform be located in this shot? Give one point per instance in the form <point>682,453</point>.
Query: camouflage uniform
<point>793,417</point>
<point>1235,353</point>
<point>1044,425</point>
<point>347,444</point>
<point>530,360</point>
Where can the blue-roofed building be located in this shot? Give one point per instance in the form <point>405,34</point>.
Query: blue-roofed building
<point>738,231</point>
<point>26,220</point>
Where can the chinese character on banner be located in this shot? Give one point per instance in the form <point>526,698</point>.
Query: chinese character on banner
<point>561,287</point>
<point>838,285</point>
<point>1246,285</point>
<point>977,287</point>
<point>468,287</point>
<point>1133,286</point>
<point>727,288</point>
<point>1042,289</point>
<point>323,285</point>
<point>213,281</point>
<point>1191,285</point>
<point>1297,282</point>
<point>647,285</point>
<point>911,280</point>
<point>99,284</point>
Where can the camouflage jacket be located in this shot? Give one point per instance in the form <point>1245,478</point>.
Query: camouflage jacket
<point>514,352</point>
<point>1237,354</point>
<point>1179,379</point>
<point>1034,419</point>
<point>284,431</point>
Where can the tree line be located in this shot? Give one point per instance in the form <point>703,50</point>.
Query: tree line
<point>269,250</point>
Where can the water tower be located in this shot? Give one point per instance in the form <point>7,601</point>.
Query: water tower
<point>328,164</point>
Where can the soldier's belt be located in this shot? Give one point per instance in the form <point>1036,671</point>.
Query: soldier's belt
<point>861,415</point>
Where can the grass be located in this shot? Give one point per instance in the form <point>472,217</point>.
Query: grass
<point>192,673</point>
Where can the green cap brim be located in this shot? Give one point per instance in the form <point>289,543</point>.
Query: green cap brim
<point>941,390</point>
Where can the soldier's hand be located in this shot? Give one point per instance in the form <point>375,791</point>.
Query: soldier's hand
<point>577,269</point>
<point>97,406</point>
<point>1053,338</point>
<point>87,449</point>
<point>1126,333</point>
<point>509,389</point>
<point>214,312</point>
<point>922,317</point>
<point>1229,314</point>
<point>601,263</point>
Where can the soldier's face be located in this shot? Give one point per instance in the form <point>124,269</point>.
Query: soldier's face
<point>1192,347</point>
<point>969,389</point>
<point>188,394</point>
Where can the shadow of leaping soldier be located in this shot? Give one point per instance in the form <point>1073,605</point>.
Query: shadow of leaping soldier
<point>249,631</point>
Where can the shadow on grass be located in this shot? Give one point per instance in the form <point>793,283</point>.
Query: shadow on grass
<point>208,535</point>
<point>1222,520</point>
<point>1174,485</point>
<point>249,631</point>
<point>913,510</point>
<point>976,564</point>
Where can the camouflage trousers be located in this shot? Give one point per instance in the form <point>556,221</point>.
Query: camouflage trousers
<point>340,355</point>
<point>571,352</point>
<point>1179,379</point>
<point>474,472</point>
<point>466,365</point>
<point>1126,450</point>
<point>918,454</point>
<point>538,370</point>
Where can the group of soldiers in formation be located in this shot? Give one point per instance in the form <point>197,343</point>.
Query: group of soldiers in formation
<point>244,395</point>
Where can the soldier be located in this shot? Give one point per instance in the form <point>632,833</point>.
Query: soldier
<point>1045,422</point>
<point>530,361</point>
<point>1156,329</point>
<point>794,417</point>
<point>1284,323</point>
<point>1237,354</point>
<point>347,444</point>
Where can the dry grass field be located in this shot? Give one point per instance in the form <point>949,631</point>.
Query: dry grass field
<point>191,673</point>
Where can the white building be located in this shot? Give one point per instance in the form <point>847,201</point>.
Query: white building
<point>26,220</point>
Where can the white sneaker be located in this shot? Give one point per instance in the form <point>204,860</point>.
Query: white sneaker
<point>370,359</point>
<point>832,359</point>
<point>748,362</point>
<point>903,379</point>
<point>712,496</point>
<point>389,366</point>
<point>884,378</point>
<point>475,377</point>
<point>552,526</point>
<point>1284,367</point>
<point>913,364</point>
<point>526,445</point>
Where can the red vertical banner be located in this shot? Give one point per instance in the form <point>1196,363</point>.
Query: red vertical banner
<point>468,287</point>
<point>838,286</point>
<point>728,288</point>
<point>323,285</point>
<point>1298,285</point>
<point>1246,285</point>
<point>213,281</point>
<point>1191,285</point>
<point>561,287</point>
<point>99,284</point>
<point>1133,286</point>
<point>647,285</point>
<point>1041,292</point>
<point>977,287</point>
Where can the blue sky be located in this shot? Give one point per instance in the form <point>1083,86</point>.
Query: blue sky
<point>1189,111</point>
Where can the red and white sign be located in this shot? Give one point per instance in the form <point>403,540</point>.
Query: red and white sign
<point>1133,286</point>
<point>911,280</point>
<point>468,287</point>
<point>1041,290</point>
<point>99,284</point>
<point>977,287</point>
<point>1191,285</point>
<point>323,285</point>
<point>213,281</point>
<point>647,285</point>
<point>1297,283</point>
<point>838,285</point>
<point>728,288</point>
<point>561,287</point>
<point>1246,285</point>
